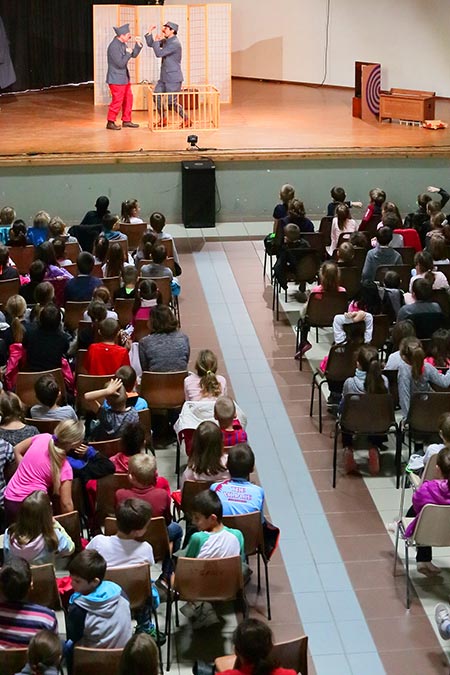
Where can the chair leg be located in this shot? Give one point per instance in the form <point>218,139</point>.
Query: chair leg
<point>398,456</point>
<point>168,631</point>
<point>265,264</point>
<point>258,563</point>
<point>320,406</point>
<point>313,387</point>
<point>178,463</point>
<point>336,429</point>
<point>266,569</point>
<point>297,338</point>
<point>408,600</point>
<point>397,537</point>
<point>155,616</point>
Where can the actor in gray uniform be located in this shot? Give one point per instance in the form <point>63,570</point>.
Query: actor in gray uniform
<point>168,48</point>
<point>118,77</point>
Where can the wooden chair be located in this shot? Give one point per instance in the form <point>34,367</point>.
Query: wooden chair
<point>89,661</point>
<point>359,257</point>
<point>141,329</point>
<point>407,253</point>
<point>404,272</point>
<point>341,364</point>
<point>325,229</point>
<point>320,312</point>
<point>8,288</point>
<point>12,660</point>
<point>380,335</point>
<point>315,240</point>
<point>424,413</point>
<point>168,245</point>
<point>358,418</point>
<point>145,420</point>
<point>307,269</point>
<point>442,297</point>
<point>250,524</point>
<point>206,580</point>
<point>134,232</point>
<point>426,323</point>
<point>87,383</point>
<point>392,377</point>
<point>445,269</point>
<point>106,492</point>
<point>108,448</point>
<point>163,285</point>
<point>23,256</point>
<point>44,590</point>
<point>71,524</point>
<point>190,489</point>
<point>43,426</point>
<point>124,309</point>
<point>72,250</point>
<point>93,326</point>
<point>292,655</point>
<point>432,529</point>
<point>25,385</point>
<point>72,268</point>
<point>73,314</point>
<point>79,362</point>
<point>97,271</point>
<point>156,535</point>
<point>112,284</point>
<point>350,279</point>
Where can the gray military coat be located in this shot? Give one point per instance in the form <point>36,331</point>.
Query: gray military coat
<point>118,58</point>
<point>170,52</point>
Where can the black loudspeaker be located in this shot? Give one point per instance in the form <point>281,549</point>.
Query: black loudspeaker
<point>199,193</point>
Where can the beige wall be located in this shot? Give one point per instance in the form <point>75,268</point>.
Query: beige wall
<point>285,40</point>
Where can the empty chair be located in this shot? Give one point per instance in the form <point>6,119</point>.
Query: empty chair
<point>23,256</point>
<point>107,487</point>
<point>89,661</point>
<point>8,288</point>
<point>12,660</point>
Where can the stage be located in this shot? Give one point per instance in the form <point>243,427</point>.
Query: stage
<point>266,121</point>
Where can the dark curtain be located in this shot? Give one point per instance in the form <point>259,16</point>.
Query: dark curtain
<point>51,40</point>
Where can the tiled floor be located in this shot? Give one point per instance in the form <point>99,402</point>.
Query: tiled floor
<point>333,575</point>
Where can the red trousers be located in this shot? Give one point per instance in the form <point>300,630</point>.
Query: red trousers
<point>122,98</point>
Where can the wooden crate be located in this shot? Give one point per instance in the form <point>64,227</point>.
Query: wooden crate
<point>407,104</point>
<point>200,102</point>
<point>140,94</point>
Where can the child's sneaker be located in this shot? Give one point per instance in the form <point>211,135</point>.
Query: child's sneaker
<point>150,629</point>
<point>350,465</point>
<point>442,618</point>
<point>428,569</point>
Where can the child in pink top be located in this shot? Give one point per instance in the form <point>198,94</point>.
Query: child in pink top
<point>205,384</point>
<point>146,297</point>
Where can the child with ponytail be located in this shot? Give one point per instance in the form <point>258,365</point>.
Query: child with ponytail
<point>415,375</point>
<point>146,296</point>
<point>368,379</point>
<point>205,384</point>
<point>44,655</point>
<point>342,222</point>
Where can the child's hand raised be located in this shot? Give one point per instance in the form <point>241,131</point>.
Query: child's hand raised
<point>113,387</point>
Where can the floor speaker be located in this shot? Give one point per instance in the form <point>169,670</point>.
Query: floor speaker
<point>199,193</point>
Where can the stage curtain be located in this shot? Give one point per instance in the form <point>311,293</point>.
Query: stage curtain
<point>50,40</point>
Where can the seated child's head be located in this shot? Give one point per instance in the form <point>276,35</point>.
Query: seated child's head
<point>133,517</point>
<point>391,220</point>
<point>15,580</point>
<point>109,329</point>
<point>433,207</point>
<point>18,233</point>
<point>422,290</point>
<point>102,293</point>
<point>41,220</point>
<point>7,215</point>
<point>444,427</point>
<point>142,470</point>
<point>44,652</point>
<point>157,221</point>
<point>338,194</point>
<point>85,262</point>
<point>37,272</point>
<point>423,199</point>
<point>57,227</point>
<point>101,246</point>
<point>296,208</point>
<point>384,236</point>
<point>402,329</point>
<point>118,401</point>
<point>207,511</point>
<point>392,279</point>
<point>47,390</point>
<point>438,247</point>
<point>159,254</point>
<point>87,571</point>
<point>59,246</point>
<point>346,253</point>
<point>437,220</point>
<point>241,461</point>
<point>358,239</point>
<point>130,276</point>
<point>139,656</point>
<point>132,438</point>
<point>292,233</point>
<point>97,311</point>
<point>110,222</point>
<point>128,376</point>
<point>224,411</point>
<point>377,196</point>
<point>443,463</point>
<point>440,347</point>
<point>287,193</point>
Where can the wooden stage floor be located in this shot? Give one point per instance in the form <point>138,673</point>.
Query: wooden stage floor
<point>265,120</point>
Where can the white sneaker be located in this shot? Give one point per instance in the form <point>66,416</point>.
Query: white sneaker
<point>442,618</point>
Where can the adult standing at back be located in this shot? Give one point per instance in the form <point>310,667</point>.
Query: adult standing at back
<point>167,47</point>
<point>118,77</point>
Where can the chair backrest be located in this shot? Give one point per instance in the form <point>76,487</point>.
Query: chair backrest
<point>168,245</point>
<point>124,309</point>
<point>191,488</point>
<point>107,487</point>
<point>155,534</point>
<point>325,229</point>
<point>71,524</point>
<point>341,361</point>
<point>359,257</point>
<point>97,271</point>
<point>134,232</point>
<point>433,526</point>
<point>163,286</point>
<point>308,265</point>
<point>250,525</point>
<point>44,590</point>
<point>141,329</point>
<point>392,377</point>
<point>12,660</point>
<point>8,288</point>
<point>87,383</point>
<point>72,250</point>
<point>404,272</point>
<point>112,284</point>
<point>323,307</point>
<point>25,385</point>
<point>89,661</point>
<point>429,470</point>
<point>358,413</point>
<point>79,362</point>
<point>407,253</point>
<point>163,390</point>
<point>73,314</point>
<point>135,581</point>
<point>43,426</point>
<point>425,410</point>
<point>23,256</point>
<point>426,323</point>
<point>442,297</point>
<point>380,332</point>
<point>72,268</point>
<point>209,579</point>
<point>316,241</point>
<point>108,448</point>
<point>145,420</point>
<point>445,269</point>
<point>293,654</point>
<point>350,279</point>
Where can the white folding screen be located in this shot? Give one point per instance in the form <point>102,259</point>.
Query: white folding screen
<point>204,32</point>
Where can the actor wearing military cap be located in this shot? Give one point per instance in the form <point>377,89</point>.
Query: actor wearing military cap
<point>167,47</point>
<point>118,77</point>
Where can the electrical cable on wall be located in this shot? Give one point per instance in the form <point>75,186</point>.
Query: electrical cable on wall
<point>327,39</point>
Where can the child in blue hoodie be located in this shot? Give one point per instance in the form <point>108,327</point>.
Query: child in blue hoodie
<point>99,612</point>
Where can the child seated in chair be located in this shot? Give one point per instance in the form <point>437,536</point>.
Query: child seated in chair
<point>99,613</point>
<point>238,495</point>
<point>213,540</point>
<point>111,420</point>
<point>48,393</point>
<point>231,428</point>
<point>105,357</point>
<point>20,620</point>
<point>127,375</point>
<point>288,255</point>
